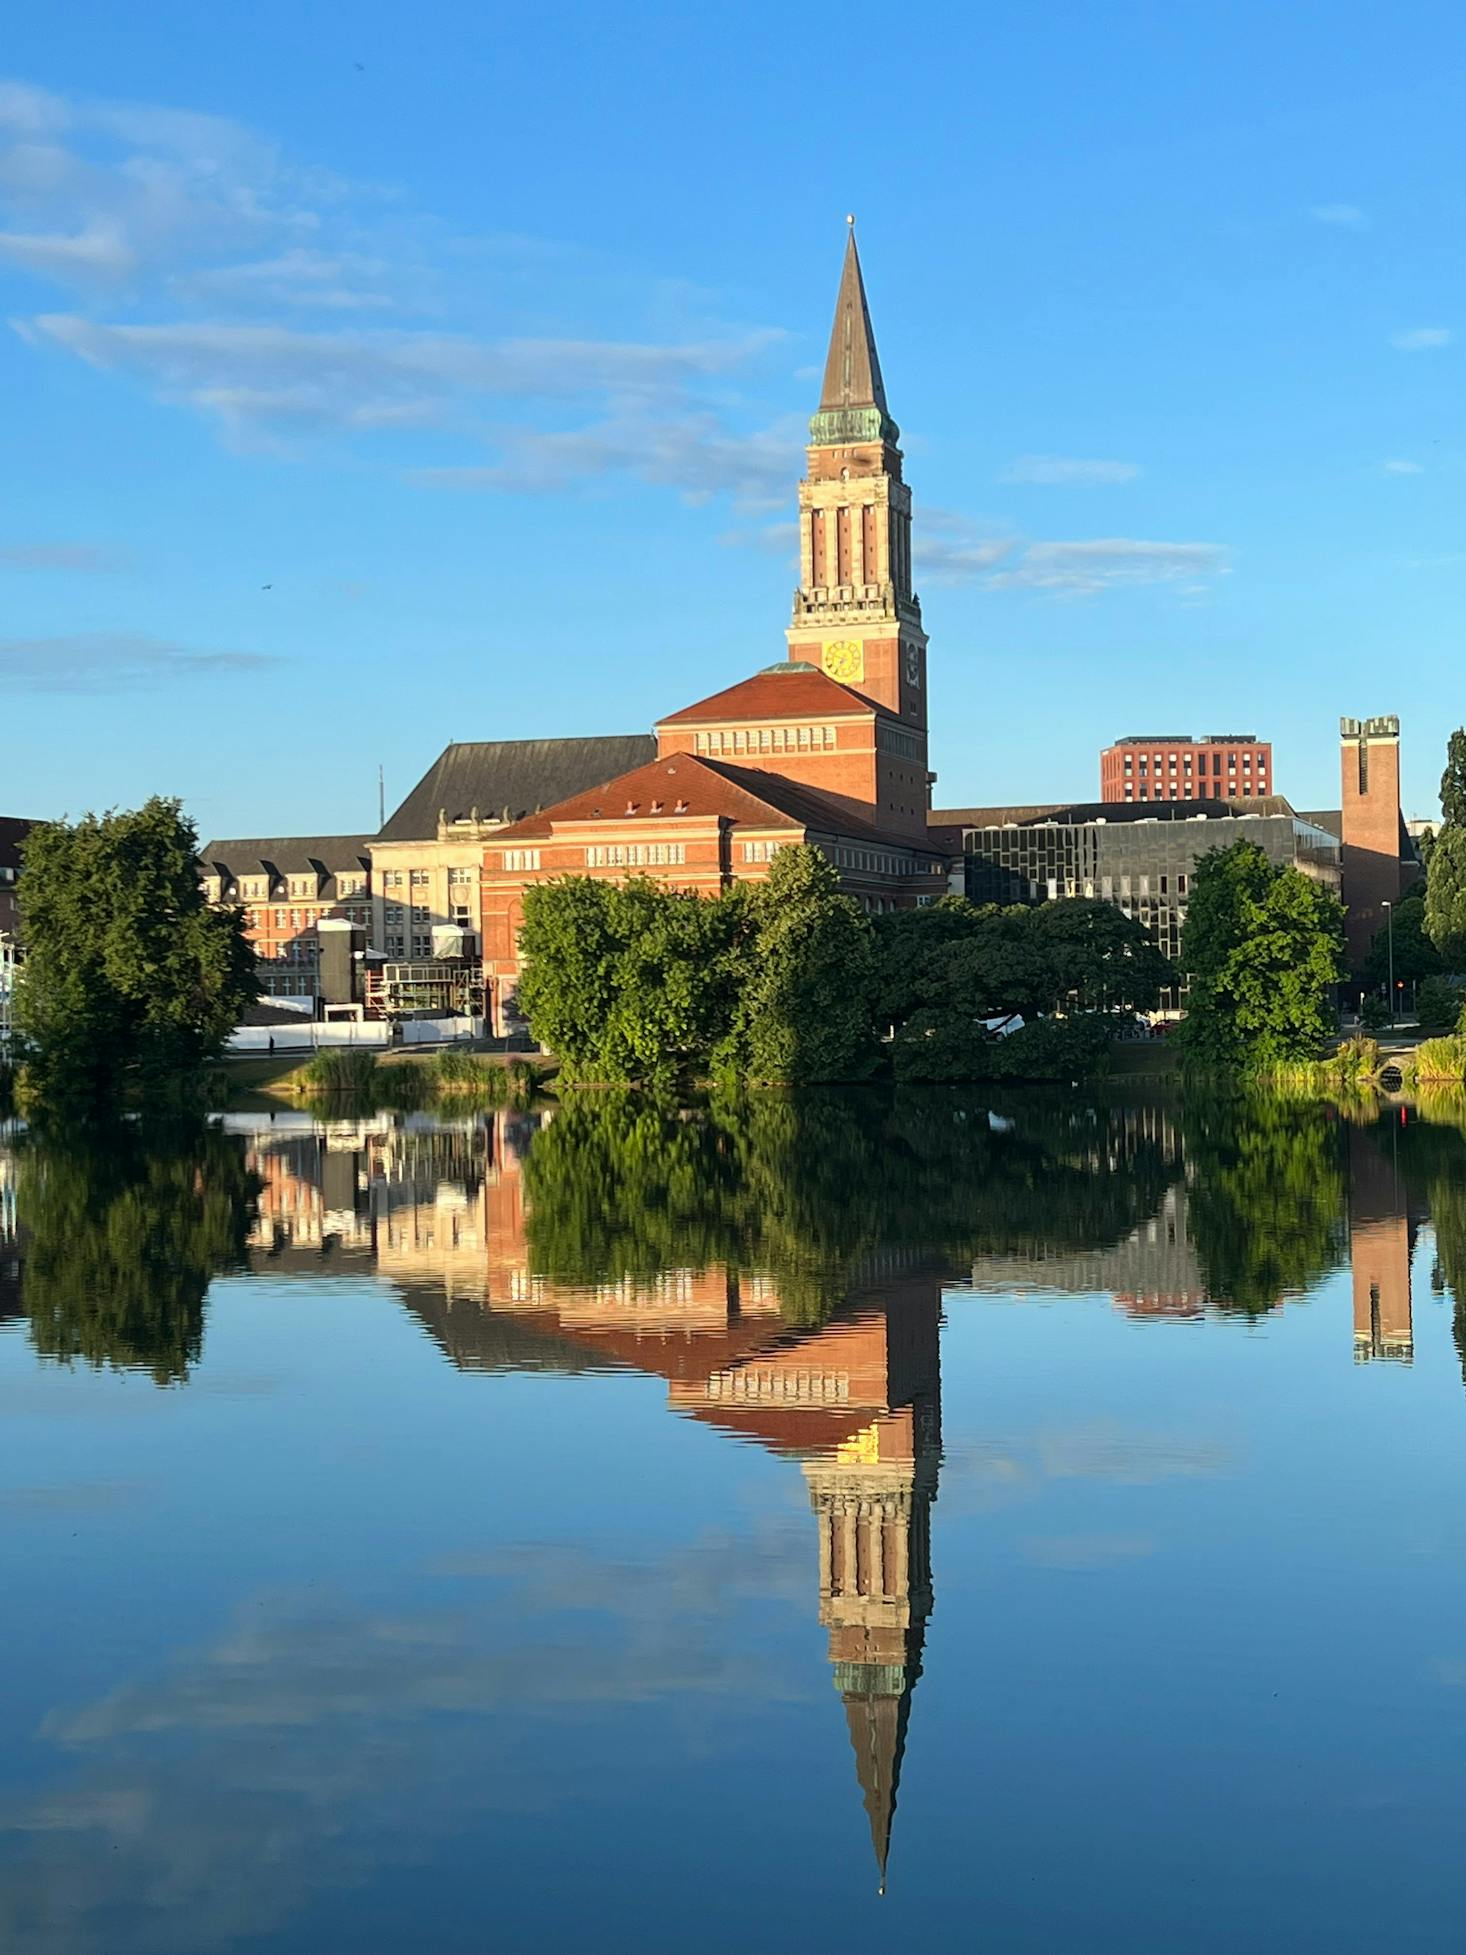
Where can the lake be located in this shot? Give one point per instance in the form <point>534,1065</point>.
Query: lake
<point>823,1523</point>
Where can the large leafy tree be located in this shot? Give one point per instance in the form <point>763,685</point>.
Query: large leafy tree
<point>1453,780</point>
<point>963,961</point>
<point>130,977</point>
<point>1261,948</point>
<point>627,981</point>
<point>1415,956</point>
<point>1445,896</point>
<point>806,978</point>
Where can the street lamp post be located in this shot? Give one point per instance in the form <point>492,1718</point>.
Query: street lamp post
<point>1390,938</point>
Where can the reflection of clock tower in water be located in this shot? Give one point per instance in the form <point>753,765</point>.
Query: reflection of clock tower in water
<point>855,614</point>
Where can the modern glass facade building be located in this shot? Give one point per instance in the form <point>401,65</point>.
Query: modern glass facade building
<point>1140,859</point>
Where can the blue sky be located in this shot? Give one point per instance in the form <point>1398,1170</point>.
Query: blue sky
<point>486,342</point>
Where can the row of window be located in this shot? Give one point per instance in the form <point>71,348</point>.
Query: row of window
<point>631,855</point>
<point>1201,766</point>
<point>396,946</point>
<point>896,740</point>
<point>762,851</point>
<point>764,739</point>
<point>884,862</point>
<point>1113,888</point>
<point>302,919</point>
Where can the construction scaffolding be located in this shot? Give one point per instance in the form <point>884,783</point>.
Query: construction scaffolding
<point>431,988</point>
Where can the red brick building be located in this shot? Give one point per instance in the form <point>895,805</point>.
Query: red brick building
<point>828,747</point>
<point>1378,857</point>
<point>1176,767</point>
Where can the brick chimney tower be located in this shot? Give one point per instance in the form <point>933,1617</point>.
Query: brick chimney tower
<point>1369,755</point>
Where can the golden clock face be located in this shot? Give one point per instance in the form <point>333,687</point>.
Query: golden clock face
<point>844,659</point>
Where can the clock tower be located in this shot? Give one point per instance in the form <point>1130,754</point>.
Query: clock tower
<point>856,616</point>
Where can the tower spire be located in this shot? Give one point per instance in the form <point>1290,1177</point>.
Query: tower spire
<point>853,398</point>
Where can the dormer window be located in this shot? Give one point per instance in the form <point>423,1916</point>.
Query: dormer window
<point>680,809</point>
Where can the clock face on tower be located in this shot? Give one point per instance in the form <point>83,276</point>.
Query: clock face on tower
<point>844,659</point>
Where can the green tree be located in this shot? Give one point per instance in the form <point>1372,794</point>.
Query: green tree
<point>1453,781</point>
<point>125,1226</point>
<point>806,978</point>
<point>130,978</point>
<point>960,961</point>
<point>1098,957</point>
<point>905,945</point>
<point>628,981</point>
<point>1262,946</point>
<point>1415,956</point>
<point>1445,896</point>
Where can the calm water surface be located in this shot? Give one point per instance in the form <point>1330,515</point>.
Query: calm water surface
<point>662,1532</point>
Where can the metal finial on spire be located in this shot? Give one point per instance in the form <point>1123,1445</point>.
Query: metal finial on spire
<point>850,219</point>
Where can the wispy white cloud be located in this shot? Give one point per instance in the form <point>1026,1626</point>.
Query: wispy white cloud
<point>1061,471</point>
<point>1346,216</point>
<point>1422,339</point>
<point>112,662</point>
<point>217,250</point>
<point>59,556</point>
<point>693,453</point>
<point>302,278</point>
<point>1107,563</point>
<point>1396,466</point>
<point>951,549</point>
<point>100,253</point>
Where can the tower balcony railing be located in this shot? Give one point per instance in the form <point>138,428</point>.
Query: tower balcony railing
<point>850,600</point>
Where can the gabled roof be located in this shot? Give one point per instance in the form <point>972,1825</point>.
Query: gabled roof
<point>684,786</point>
<point>518,775</point>
<point>794,691</point>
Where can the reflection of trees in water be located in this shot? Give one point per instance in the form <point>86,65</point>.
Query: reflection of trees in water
<point>125,1230</point>
<point>1267,1196</point>
<point>802,1187</point>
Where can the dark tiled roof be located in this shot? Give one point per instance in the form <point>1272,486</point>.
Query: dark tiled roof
<point>291,853</point>
<point>520,775</point>
<point>705,788</point>
<point>288,855</point>
<point>13,831</point>
<point>793,691</point>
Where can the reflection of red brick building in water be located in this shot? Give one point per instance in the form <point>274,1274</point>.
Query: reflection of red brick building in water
<point>1381,1238</point>
<point>855,1400</point>
<point>828,747</point>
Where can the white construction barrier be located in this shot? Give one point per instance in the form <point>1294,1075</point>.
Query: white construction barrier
<point>375,1032</point>
<point>436,1031</point>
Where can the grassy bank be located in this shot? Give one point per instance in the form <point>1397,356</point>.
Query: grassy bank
<point>396,1081</point>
